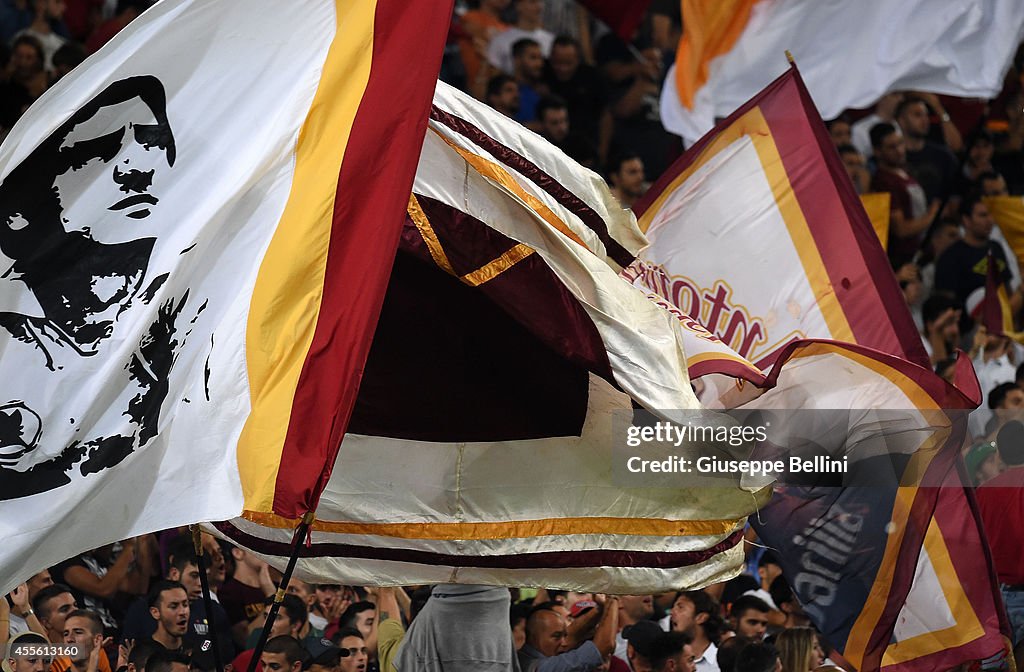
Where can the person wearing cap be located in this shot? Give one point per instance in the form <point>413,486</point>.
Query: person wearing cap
<point>640,639</point>
<point>324,656</point>
<point>983,463</point>
<point>632,609</point>
<point>12,663</point>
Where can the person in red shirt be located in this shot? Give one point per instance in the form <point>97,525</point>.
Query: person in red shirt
<point>1001,504</point>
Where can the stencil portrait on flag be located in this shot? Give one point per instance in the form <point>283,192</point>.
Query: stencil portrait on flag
<point>166,211</point>
<point>85,271</point>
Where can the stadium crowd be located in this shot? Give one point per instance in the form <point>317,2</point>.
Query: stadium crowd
<point>550,65</point>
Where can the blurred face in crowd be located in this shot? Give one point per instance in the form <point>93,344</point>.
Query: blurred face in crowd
<point>564,61</point>
<point>33,664</point>
<point>216,567</point>
<point>303,591</point>
<point>817,654</point>
<point>38,582</point>
<point>548,633</point>
<point>555,124</point>
<point>892,153</point>
<point>752,623</point>
<point>768,573</point>
<point>638,662</point>
<point>506,100</point>
<point>637,607</point>
<point>278,662</point>
<point>171,611</point>
<point>839,130</point>
<point>357,654</point>
<point>1013,402</point>
<point>529,63</point>
<point>630,178</point>
<point>947,234</point>
<point>188,577</point>
<point>529,10</point>
<point>914,120</point>
<point>519,633</point>
<point>994,186</point>
<point>979,223</point>
<point>980,153</point>
<point>989,468</point>
<point>26,61</point>
<point>856,168</point>
<point>364,621</point>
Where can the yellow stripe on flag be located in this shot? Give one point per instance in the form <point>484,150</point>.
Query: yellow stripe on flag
<point>710,29</point>
<point>877,207</point>
<point>287,297</point>
<point>1008,211</point>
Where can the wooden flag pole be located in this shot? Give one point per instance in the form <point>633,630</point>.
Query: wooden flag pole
<point>300,533</point>
<point>204,581</point>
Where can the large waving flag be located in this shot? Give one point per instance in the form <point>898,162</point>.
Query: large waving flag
<point>852,52</point>
<point>197,227</point>
<point>757,234</point>
<point>507,349</point>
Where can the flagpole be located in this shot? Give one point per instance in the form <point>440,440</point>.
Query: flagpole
<point>204,581</point>
<point>300,532</point>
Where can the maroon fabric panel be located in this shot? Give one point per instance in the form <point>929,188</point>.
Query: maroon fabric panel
<point>533,172</point>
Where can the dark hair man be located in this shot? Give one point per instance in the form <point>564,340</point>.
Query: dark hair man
<point>750,617</point>
<point>673,653</point>
<point>503,95</point>
<point>626,177</point>
<point>52,605</point>
<point>282,654</point>
<point>167,661</point>
<point>759,658</point>
<point>696,613</point>
<point>168,606</point>
<point>355,656</point>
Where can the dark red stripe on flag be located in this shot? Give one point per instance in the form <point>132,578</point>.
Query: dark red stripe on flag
<point>533,172</point>
<point>545,560</point>
<point>373,191</point>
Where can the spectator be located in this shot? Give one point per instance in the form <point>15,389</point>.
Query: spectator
<point>547,642</point>
<point>281,654</point>
<point>15,16</point>
<point>168,661</point>
<point>52,605</point>
<point>354,649</point>
<point>528,24</point>
<point>983,463</point>
<point>910,214</point>
<point>839,129</point>
<point>783,596</point>
<point>291,620</point>
<point>1006,401</point>
<point>528,67</point>
<point>626,177</point>
<point>17,611</point>
<point>315,623</point>
<point>758,657</point>
<point>363,617</point>
<point>697,614</point>
<point>640,638</point>
<point>768,568</point>
<point>243,595</point>
<point>66,59</point>
<point>479,26</point>
<point>582,88</point>
<point>856,167</point>
<point>729,651</point>
<point>503,95</point>
<point>749,617</point>
<point>632,609</point>
<point>27,80</point>
<point>518,614</point>
<point>141,651</point>
<point>941,332</point>
<point>168,606</point>
<point>83,629</point>
<point>885,111</point>
<point>940,238</point>
<point>332,601</point>
<point>672,652</point>
<point>321,655</point>
<point>99,576</point>
<point>34,663</point>
<point>977,162</point>
<point>799,650</point>
<point>126,12</point>
<point>48,27</point>
<point>554,125</point>
<point>932,165</point>
<point>1001,505</point>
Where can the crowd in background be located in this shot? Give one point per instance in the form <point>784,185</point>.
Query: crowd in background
<point>553,67</point>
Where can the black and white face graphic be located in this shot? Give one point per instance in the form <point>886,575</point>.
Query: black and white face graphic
<point>79,219</point>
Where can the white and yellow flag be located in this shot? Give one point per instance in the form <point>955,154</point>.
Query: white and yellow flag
<point>192,252</point>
